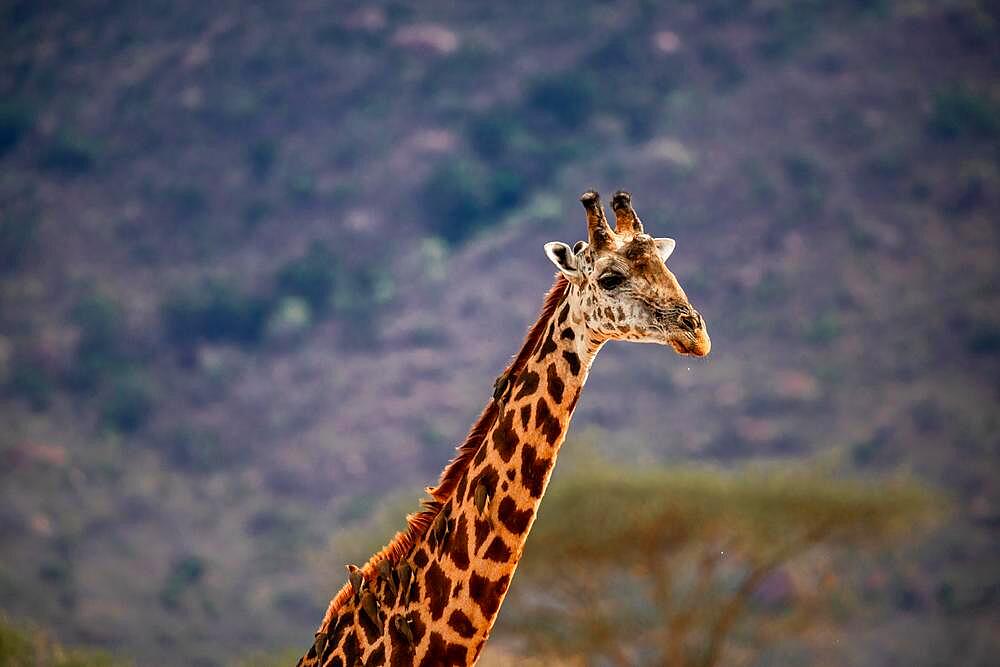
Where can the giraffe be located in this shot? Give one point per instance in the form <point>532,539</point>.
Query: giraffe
<point>431,596</point>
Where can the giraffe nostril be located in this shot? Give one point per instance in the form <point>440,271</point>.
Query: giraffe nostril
<point>688,322</point>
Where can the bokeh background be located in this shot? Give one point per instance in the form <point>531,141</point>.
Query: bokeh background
<point>261,263</point>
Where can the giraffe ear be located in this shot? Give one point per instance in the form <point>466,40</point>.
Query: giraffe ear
<point>664,247</point>
<point>564,259</point>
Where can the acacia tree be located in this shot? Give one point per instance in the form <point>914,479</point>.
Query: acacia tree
<point>669,566</point>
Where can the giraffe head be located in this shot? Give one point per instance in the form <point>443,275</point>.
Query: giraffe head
<point>621,283</point>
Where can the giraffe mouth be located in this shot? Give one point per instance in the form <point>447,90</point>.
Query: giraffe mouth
<point>700,346</point>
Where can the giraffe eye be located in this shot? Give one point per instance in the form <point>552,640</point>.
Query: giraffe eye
<point>609,281</point>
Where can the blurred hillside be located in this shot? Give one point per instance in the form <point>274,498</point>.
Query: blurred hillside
<point>259,265</point>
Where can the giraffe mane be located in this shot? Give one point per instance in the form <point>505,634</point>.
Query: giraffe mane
<point>418,523</point>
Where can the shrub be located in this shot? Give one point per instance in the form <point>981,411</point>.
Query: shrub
<point>261,156</point>
<point>100,348</point>
<point>30,383</point>
<point>20,647</point>
<point>301,187</point>
<point>290,318</point>
<point>789,27</point>
<point>962,114</point>
<point>723,11</point>
<point>311,277</point>
<point>567,99</point>
<point>185,574</point>
<point>128,405</point>
<point>186,200</point>
<point>455,199</point>
<point>15,122</point>
<point>18,238</point>
<point>687,555</point>
<point>984,339</point>
<point>491,135</point>
<point>724,63</point>
<point>216,312</point>
<point>463,196</point>
<point>825,328</point>
<point>69,154</point>
<point>194,450</point>
<point>255,212</point>
<point>809,179</point>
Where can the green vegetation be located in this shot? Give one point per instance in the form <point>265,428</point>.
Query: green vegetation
<point>823,329</point>
<point>261,156</point>
<point>462,197</point>
<point>186,200</point>
<point>18,240</point>
<point>185,577</point>
<point>100,352</point>
<point>306,289</point>
<point>194,450</point>
<point>21,647</point>
<point>217,312</point>
<point>683,565</point>
<point>825,189</point>
<point>567,99</point>
<point>69,154</point>
<point>30,382</point>
<point>492,134</point>
<point>15,122</point>
<point>960,113</point>
<point>809,181</point>
<point>983,338</point>
<point>301,187</point>
<point>724,63</point>
<point>313,277</point>
<point>129,403</point>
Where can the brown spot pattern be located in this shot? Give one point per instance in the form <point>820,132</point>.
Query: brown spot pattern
<point>546,422</point>
<point>441,654</point>
<point>533,471</point>
<point>482,531</point>
<point>554,384</point>
<point>562,314</point>
<point>528,385</point>
<point>480,455</point>
<point>460,544</point>
<point>504,438</point>
<point>525,415</point>
<point>498,550</point>
<point>438,590</point>
<point>377,657</point>
<point>372,631</point>
<point>548,347</point>
<point>461,624</point>
<point>488,593</point>
<point>513,519</point>
<point>573,360</point>
<point>352,652</point>
<point>572,403</point>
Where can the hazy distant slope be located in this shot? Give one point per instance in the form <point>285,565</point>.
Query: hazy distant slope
<point>261,265</point>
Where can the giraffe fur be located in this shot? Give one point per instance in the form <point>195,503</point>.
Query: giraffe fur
<point>432,595</point>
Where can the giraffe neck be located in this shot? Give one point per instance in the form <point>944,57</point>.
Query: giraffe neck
<point>462,565</point>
